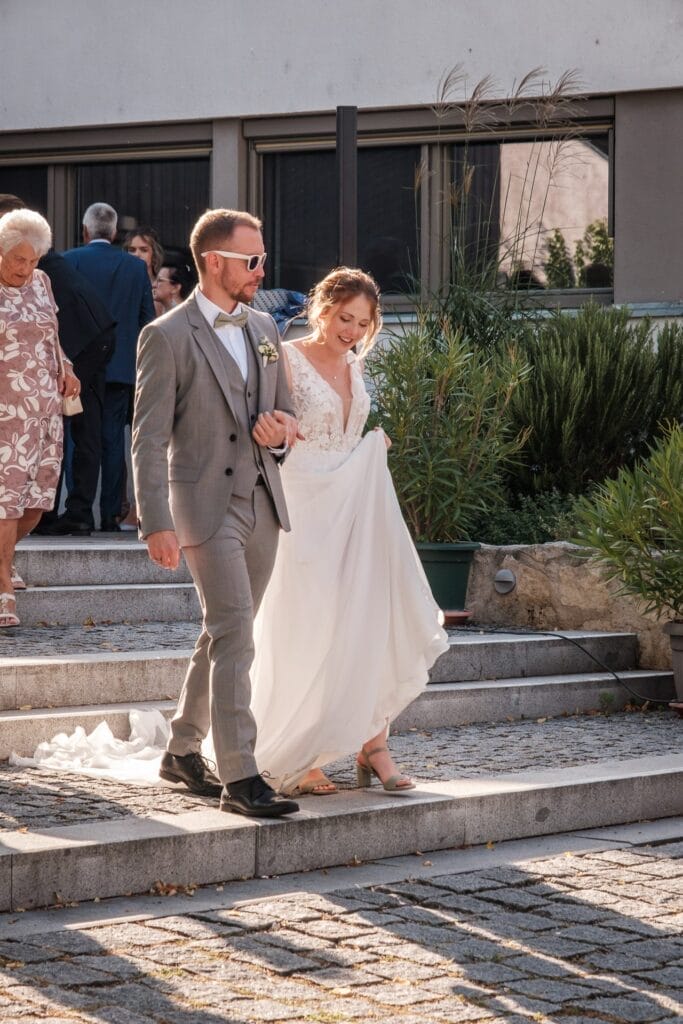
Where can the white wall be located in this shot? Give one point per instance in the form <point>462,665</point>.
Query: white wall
<point>96,62</point>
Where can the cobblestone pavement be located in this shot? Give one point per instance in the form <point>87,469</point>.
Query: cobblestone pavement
<point>37,798</point>
<point>577,938</point>
<point>46,641</point>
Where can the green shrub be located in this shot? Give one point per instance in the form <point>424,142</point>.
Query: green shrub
<point>528,519</point>
<point>634,526</point>
<point>559,268</point>
<point>445,406</point>
<point>598,389</point>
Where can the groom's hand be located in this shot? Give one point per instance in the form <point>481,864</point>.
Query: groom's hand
<point>163,548</point>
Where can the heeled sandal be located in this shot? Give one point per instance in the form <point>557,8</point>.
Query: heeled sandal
<point>319,786</point>
<point>16,579</point>
<point>395,784</point>
<point>8,616</point>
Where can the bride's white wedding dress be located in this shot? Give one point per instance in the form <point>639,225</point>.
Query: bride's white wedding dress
<point>348,627</point>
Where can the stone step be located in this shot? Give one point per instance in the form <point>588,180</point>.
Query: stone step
<point>130,853</point>
<point>25,725</point>
<point>483,654</point>
<point>73,663</point>
<point>91,561</point>
<point>113,603</point>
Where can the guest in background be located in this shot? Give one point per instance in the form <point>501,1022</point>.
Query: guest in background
<point>144,243</point>
<point>122,283</point>
<point>172,285</point>
<point>32,383</point>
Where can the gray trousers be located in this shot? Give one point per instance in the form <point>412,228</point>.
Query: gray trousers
<point>230,571</point>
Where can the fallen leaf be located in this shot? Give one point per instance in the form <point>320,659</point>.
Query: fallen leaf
<point>26,707</point>
<point>541,720</point>
<point>490,845</point>
<point>426,863</point>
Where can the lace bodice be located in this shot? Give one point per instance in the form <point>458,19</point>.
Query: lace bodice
<point>319,409</point>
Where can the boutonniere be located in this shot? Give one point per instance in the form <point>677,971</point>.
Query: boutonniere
<point>269,353</point>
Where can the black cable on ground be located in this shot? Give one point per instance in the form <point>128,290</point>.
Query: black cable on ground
<point>517,631</point>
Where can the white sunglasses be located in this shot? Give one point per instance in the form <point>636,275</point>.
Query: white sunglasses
<point>253,262</point>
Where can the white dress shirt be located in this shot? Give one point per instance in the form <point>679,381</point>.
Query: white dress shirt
<point>232,338</point>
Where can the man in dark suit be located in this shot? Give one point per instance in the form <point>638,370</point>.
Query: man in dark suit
<point>122,283</point>
<point>87,335</point>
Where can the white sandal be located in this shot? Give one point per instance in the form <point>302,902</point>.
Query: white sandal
<point>16,580</point>
<point>8,617</point>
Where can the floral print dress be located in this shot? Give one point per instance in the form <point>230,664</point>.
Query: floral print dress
<point>30,404</point>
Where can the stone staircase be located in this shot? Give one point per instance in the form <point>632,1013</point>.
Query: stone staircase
<point>104,632</point>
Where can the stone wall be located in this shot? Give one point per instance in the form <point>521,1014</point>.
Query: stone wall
<point>558,589</point>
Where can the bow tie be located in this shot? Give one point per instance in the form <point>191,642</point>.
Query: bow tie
<point>232,319</point>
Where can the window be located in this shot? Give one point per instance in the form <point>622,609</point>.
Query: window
<point>168,195</point>
<point>300,216</point>
<point>28,183</point>
<point>535,211</point>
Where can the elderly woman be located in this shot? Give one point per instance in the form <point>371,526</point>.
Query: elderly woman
<point>31,386</point>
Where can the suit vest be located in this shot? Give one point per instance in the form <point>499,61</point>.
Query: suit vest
<point>245,460</point>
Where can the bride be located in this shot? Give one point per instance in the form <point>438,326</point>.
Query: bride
<point>348,628</point>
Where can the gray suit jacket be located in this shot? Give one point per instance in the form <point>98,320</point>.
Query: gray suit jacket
<point>185,425</point>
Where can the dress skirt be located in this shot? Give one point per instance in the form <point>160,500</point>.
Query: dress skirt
<point>348,627</point>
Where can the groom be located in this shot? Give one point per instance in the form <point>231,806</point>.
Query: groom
<point>212,422</point>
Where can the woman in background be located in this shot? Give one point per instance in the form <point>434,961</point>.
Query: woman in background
<point>172,285</point>
<point>34,375</point>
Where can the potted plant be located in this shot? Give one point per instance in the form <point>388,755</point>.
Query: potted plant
<point>443,403</point>
<point>634,528</point>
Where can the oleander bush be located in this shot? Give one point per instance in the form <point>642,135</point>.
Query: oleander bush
<point>633,526</point>
<point>444,404</point>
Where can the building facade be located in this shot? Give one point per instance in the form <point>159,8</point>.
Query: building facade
<point>166,109</point>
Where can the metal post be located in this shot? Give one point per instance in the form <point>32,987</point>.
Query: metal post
<point>347,184</point>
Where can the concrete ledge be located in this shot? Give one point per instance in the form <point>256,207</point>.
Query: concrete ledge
<point>474,656</point>
<point>441,704</point>
<point>22,731</point>
<point>137,602</point>
<point>87,561</point>
<point>86,679</point>
<point>451,704</point>
<point>129,855</point>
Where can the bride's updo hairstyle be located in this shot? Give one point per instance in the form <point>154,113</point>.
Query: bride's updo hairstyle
<point>340,286</point>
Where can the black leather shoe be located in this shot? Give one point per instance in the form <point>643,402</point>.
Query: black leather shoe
<point>255,798</point>
<point>109,526</point>
<point>192,770</point>
<point>64,527</point>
